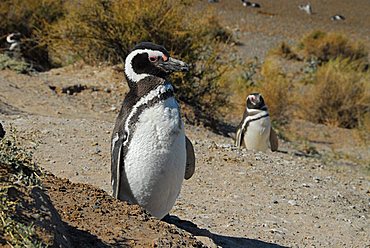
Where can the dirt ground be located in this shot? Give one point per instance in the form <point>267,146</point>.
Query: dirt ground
<point>313,193</point>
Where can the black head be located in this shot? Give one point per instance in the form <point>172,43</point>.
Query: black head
<point>255,101</point>
<point>149,59</point>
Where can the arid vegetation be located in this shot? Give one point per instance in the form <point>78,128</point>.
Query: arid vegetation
<point>331,88</point>
<point>312,84</point>
<point>98,31</point>
<point>19,175</point>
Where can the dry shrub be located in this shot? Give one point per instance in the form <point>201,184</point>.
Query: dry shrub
<point>339,96</point>
<point>105,31</point>
<point>100,31</point>
<point>269,80</point>
<point>329,46</point>
<point>276,88</point>
<point>29,17</point>
<point>284,51</point>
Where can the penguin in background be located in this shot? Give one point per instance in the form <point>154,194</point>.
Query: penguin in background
<point>150,153</point>
<point>14,41</point>
<point>2,131</point>
<point>254,131</point>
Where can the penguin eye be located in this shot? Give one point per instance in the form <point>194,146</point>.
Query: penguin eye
<point>153,59</point>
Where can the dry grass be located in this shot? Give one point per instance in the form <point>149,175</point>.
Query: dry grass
<point>338,96</point>
<point>104,32</point>
<point>274,85</point>
<point>285,51</point>
<point>335,92</point>
<point>330,46</point>
<point>276,89</point>
<point>100,31</point>
<point>17,171</point>
<point>29,17</point>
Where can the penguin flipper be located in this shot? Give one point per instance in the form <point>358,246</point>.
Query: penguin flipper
<point>239,137</point>
<point>190,159</point>
<point>115,166</point>
<point>274,142</point>
<point>242,127</point>
<point>121,188</point>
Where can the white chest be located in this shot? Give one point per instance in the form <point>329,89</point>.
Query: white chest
<point>257,136</point>
<point>156,157</point>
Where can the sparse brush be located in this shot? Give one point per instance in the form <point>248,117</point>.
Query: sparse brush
<point>19,159</point>
<point>29,18</point>
<point>276,89</point>
<point>100,31</point>
<point>338,96</point>
<point>284,51</point>
<point>241,80</point>
<point>329,46</point>
<point>19,66</point>
<point>17,171</point>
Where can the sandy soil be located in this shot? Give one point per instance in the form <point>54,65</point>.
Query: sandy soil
<point>301,196</point>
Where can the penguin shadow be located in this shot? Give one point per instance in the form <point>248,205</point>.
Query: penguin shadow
<point>223,128</point>
<point>220,240</point>
<point>65,235</point>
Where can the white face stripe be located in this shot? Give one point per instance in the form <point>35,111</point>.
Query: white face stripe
<point>144,100</point>
<point>131,74</point>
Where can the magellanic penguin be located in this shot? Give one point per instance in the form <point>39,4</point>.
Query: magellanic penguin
<point>307,8</point>
<point>254,131</point>
<point>150,153</point>
<point>337,18</point>
<point>2,131</point>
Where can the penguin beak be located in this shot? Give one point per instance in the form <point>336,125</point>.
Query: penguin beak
<point>172,65</point>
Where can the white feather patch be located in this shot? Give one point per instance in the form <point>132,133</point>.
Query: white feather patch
<point>256,113</point>
<point>156,159</point>
<point>144,100</point>
<point>131,74</point>
<point>257,134</point>
<point>114,140</point>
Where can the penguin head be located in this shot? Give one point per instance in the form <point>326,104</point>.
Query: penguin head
<point>148,59</point>
<point>13,38</point>
<point>255,101</point>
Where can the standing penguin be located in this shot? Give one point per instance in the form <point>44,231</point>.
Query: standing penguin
<point>14,40</point>
<point>150,153</point>
<point>2,131</point>
<point>255,131</point>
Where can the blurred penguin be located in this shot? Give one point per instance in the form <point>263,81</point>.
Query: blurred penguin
<point>14,41</point>
<point>254,131</point>
<point>307,8</point>
<point>2,131</point>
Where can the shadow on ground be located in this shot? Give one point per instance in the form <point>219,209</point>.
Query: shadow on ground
<point>220,240</point>
<point>65,235</point>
